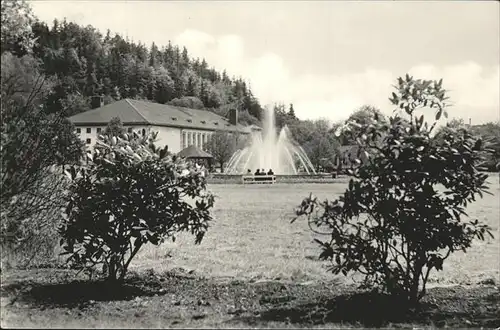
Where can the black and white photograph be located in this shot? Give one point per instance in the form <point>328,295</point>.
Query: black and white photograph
<point>250,164</point>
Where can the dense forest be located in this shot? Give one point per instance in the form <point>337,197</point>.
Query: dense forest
<point>82,62</point>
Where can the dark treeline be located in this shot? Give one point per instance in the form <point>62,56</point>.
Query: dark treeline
<point>84,62</point>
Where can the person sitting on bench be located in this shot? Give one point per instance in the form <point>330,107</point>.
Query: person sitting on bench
<point>256,174</point>
<point>270,172</point>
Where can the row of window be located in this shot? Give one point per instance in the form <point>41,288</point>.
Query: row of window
<point>89,130</point>
<point>99,130</point>
<point>197,138</point>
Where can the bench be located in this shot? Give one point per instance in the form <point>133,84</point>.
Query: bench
<point>258,179</point>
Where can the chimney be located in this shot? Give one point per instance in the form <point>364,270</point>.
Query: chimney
<point>96,101</point>
<point>233,116</point>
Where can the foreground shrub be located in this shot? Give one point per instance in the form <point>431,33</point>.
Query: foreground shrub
<point>130,195</point>
<point>31,239</point>
<point>403,213</point>
<point>33,146</point>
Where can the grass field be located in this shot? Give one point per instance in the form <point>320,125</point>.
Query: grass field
<point>252,238</point>
<point>254,269</point>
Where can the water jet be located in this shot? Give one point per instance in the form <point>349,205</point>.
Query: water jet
<point>271,150</point>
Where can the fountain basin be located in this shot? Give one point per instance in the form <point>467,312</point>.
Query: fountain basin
<point>222,178</point>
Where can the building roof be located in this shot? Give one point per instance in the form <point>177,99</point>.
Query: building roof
<point>193,152</point>
<point>137,112</point>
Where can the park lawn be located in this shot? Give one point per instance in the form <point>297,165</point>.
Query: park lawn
<point>252,238</point>
<point>254,269</point>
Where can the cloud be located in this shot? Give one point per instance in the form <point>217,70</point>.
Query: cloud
<point>473,88</point>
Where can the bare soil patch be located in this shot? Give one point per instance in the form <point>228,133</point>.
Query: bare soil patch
<point>56,298</point>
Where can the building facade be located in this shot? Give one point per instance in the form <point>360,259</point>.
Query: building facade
<point>177,127</point>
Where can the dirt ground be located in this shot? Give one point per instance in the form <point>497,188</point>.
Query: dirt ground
<point>177,299</point>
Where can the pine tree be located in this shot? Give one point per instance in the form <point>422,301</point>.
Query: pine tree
<point>185,57</point>
<point>190,88</point>
<point>291,112</point>
<point>153,56</point>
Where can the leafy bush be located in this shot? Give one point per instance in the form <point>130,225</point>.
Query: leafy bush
<point>130,195</point>
<point>34,145</point>
<point>403,212</point>
<point>29,238</point>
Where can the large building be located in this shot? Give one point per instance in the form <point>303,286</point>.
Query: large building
<point>177,127</point>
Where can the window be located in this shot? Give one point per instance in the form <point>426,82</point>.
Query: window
<point>189,120</point>
<point>89,130</point>
<point>183,140</point>
<point>88,141</point>
<point>78,130</point>
<point>174,118</point>
<point>189,139</point>
<point>98,130</point>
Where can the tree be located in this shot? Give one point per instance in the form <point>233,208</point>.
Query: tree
<point>280,115</point>
<point>291,112</point>
<point>302,131</point>
<point>222,146</point>
<point>129,196</point>
<point>490,133</point>
<point>191,88</point>
<point>321,147</point>
<point>191,102</point>
<point>115,127</point>
<point>164,86</point>
<point>74,104</point>
<point>16,20</point>
<point>403,214</point>
<point>363,116</point>
<point>32,140</point>
<point>34,144</point>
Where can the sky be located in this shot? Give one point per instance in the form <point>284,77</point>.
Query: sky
<point>325,57</point>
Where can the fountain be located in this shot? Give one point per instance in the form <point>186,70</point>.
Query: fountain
<point>269,150</point>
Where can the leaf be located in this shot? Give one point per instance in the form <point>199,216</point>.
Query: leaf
<point>338,131</point>
<point>438,114</point>
<point>68,175</point>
